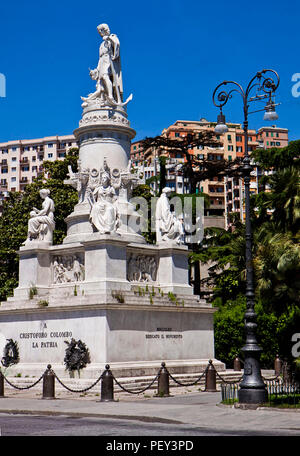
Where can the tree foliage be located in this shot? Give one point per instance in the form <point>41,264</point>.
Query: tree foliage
<point>14,220</point>
<point>275,214</point>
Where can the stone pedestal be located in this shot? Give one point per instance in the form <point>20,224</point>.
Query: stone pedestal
<point>173,268</point>
<point>136,334</point>
<point>105,264</point>
<point>129,303</point>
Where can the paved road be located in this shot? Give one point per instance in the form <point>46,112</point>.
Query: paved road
<point>185,415</point>
<point>74,426</point>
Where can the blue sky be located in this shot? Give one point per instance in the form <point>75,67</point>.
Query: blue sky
<point>173,55</point>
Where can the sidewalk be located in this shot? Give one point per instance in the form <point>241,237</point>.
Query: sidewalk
<point>192,407</point>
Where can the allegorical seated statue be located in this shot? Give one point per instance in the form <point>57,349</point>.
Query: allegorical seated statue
<point>168,227</point>
<point>104,212</point>
<point>41,223</point>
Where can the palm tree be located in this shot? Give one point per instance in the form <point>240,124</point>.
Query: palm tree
<point>277,270</point>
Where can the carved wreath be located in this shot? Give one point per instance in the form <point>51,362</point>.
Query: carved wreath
<point>77,355</point>
<point>10,353</point>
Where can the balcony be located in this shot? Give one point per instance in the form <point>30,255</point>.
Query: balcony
<point>216,206</point>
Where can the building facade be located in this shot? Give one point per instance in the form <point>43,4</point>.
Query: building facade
<point>21,161</point>
<point>226,194</point>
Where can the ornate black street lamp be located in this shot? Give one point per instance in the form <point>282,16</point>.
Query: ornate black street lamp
<point>262,86</point>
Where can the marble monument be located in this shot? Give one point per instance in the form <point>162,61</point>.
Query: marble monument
<point>130,302</point>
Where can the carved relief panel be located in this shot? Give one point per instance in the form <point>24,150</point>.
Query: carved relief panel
<point>68,268</point>
<point>141,268</point>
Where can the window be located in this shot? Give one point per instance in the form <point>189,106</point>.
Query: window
<point>27,148</point>
<point>70,144</point>
<point>267,143</point>
<point>230,148</point>
<point>34,168</point>
<point>13,149</point>
<point>50,145</point>
<point>177,135</point>
<point>33,159</point>
<point>229,137</point>
<point>25,168</point>
<point>50,155</point>
<point>250,138</point>
<point>3,181</point>
<point>41,157</point>
<point>229,157</point>
<point>239,138</point>
<point>277,143</point>
<point>13,179</point>
<point>239,149</point>
<point>14,169</point>
<point>4,170</point>
<point>267,134</point>
<point>200,156</point>
<point>13,159</point>
<point>277,135</point>
<point>272,135</point>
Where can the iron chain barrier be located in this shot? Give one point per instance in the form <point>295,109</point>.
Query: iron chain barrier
<point>22,387</point>
<point>107,378</point>
<point>229,388</point>
<point>84,390</point>
<point>140,391</point>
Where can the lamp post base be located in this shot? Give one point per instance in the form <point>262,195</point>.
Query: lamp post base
<point>252,396</point>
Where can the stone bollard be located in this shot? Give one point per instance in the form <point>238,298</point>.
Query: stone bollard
<point>163,382</point>
<point>107,385</point>
<point>1,384</point>
<point>277,365</point>
<point>237,364</point>
<point>210,378</point>
<point>49,383</point>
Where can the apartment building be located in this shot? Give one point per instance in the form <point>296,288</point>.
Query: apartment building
<point>226,194</point>
<point>22,160</point>
<point>272,137</point>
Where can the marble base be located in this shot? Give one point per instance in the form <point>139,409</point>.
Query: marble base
<point>137,331</point>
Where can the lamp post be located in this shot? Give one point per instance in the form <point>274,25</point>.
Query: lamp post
<point>263,84</point>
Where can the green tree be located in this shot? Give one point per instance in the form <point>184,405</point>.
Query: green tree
<point>276,259</point>
<point>14,220</point>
